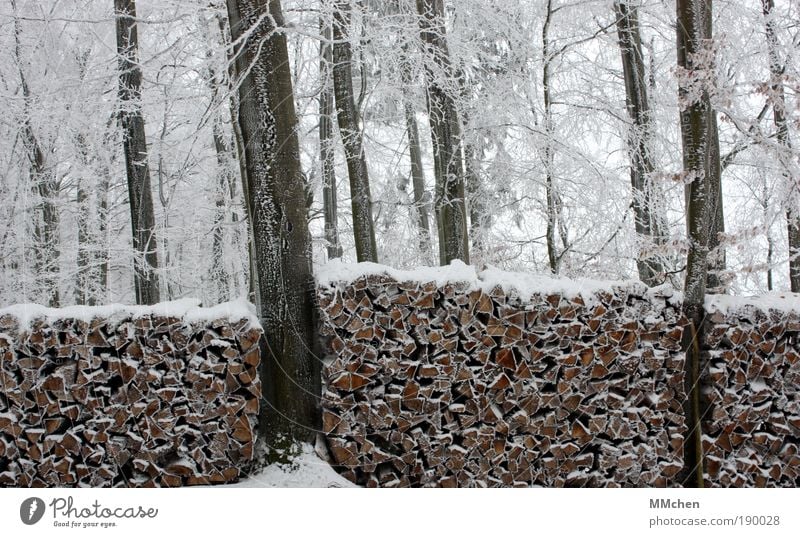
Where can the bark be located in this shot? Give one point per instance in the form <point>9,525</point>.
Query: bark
<point>279,224</point>
<point>479,218</point>
<point>219,271</point>
<point>715,282</point>
<point>697,120</point>
<point>102,258</point>
<point>647,221</point>
<point>450,205</point>
<point>554,205</point>
<point>140,197</point>
<point>415,157</point>
<point>46,249</point>
<point>778,96</point>
<point>348,118</point>
<point>326,153</point>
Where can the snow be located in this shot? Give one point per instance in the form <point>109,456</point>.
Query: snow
<point>188,309</point>
<point>525,285</point>
<point>779,301</point>
<point>306,470</point>
<point>338,271</point>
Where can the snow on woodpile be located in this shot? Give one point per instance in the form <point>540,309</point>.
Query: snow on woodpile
<point>162,395</point>
<point>448,377</point>
<point>752,389</point>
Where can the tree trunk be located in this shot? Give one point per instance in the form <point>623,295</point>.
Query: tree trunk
<point>279,223</point>
<point>225,34</point>
<point>715,281</point>
<point>647,224</point>
<point>415,157</point>
<point>450,205</point>
<point>326,154</point>
<point>348,118</point>
<point>46,219</point>
<point>135,148</point>
<point>479,218</point>
<point>778,96</point>
<point>219,272</point>
<point>554,206</point>
<point>697,123</point>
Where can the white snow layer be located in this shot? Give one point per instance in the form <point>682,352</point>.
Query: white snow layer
<point>775,300</point>
<point>525,285</point>
<point>306,470</point>
<point>187,309</point>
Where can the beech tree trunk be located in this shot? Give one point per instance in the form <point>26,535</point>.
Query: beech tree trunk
<point>140,197</point>
<point>449,204</point>
<point>647,221</point>
<point>326,154</point>
<point>348,118</point>
<point>697,121</point>
<point>778,96</point>
<point>279,223</point>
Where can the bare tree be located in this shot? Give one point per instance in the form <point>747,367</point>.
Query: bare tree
<point>348,118</point>
<point>778,97</point>
<point>43,178</point>
<point>415,157</point>
<point>137,169</point>
<point>449,204</point>
<point>555,222</point>
<point>326,152</point>
<point>279,224</point>
<point>698,134</point>
<point>648,222</point>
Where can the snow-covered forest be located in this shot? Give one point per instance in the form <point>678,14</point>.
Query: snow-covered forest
<point>544,138</point>
<point>156,150</point>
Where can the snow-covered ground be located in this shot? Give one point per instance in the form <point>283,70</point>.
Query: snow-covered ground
<point>306,471</point>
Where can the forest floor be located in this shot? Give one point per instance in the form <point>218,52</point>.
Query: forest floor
<point>307,470</point>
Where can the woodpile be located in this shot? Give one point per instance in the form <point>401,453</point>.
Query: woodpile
<point>752,392</point>
<point>134,401</point>
<point>457,386</point>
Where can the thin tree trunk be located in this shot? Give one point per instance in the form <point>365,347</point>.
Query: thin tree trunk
<point>778,96</point>
<point>219,270</point>
<point>415,157</point>
<point>551,191</point>
<point>770,242</point>
<point>450,204</point>
<point>651,270</point>
<point>282,242</point>
<point>102,258</point>
<point>46,220</point>
<point>326,153</point>
<point>219,273</point>
<point>348,118</point>
<point>696,121</point>
<point>225,33</point>
<point>479,219</point>
<point>135,148</point>
<point>715,282</point>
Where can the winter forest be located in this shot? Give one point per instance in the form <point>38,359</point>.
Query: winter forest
<point>542,136</point>
<point>154,150</point>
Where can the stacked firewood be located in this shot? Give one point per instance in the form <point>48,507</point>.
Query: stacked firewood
<point>134,401</point>
<point>453,385</point>
<point>752,392</point>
